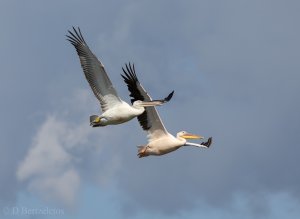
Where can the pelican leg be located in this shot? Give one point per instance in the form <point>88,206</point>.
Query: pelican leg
<point>142,151</point>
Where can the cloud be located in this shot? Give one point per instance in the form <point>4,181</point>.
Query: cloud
<point>59,188</point>
<point>243,89</point>
<point>61,151</point>
<point>238,61</point>
<point>48,167</point>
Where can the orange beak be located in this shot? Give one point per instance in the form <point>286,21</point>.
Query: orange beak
<point>191,136</point>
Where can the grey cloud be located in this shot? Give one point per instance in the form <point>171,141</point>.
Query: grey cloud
<point>246,87</point>
<point>238,60</point>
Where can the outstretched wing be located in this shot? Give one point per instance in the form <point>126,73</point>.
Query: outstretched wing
<point>94,72</point>
<point>149,120</point>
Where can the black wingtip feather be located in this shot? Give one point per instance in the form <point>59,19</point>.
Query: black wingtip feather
<point>169,97</point>
<point>208,142</point>
<point>132,82</point>
<point>75,37</point>
<point>166,99</point>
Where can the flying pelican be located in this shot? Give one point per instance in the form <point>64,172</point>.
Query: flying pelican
<point>160,141</point>
<point>114,110</point>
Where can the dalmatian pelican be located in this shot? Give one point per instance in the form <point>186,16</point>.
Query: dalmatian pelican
<point>114,110</point>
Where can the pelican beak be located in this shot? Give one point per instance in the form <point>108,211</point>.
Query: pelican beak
<point>151,103</point>
<point>192,136</point>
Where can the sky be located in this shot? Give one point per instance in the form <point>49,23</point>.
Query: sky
<point>234,66</point>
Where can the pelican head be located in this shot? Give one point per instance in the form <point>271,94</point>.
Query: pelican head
<point>96,121</point>
<point>186,135</point>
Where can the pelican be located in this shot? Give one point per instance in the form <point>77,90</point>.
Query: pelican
<point>160,141</point>
<point>114,110</point>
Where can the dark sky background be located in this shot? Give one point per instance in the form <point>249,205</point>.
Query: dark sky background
<point>234,66</point>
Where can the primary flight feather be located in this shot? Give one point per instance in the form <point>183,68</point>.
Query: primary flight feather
<point>114,110</point>
<point>160,141</point>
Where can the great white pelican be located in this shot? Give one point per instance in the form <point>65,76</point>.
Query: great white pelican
<point>160,141</point>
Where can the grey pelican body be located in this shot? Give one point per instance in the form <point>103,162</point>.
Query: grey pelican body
<point>118,114</point>
<point>114,110</point>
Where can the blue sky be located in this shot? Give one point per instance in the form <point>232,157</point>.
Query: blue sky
<point>234,66</point>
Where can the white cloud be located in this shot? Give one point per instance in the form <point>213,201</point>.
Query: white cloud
<point>48,166</point>
<point>56,160</point>
<point>61,188</point>
<point>48,154</point>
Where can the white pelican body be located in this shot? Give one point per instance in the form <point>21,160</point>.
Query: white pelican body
<point>120,113</point>
<point>164,144</point>
<point>160,141</point>
<point>160,145</point>
<point>115,111</point>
